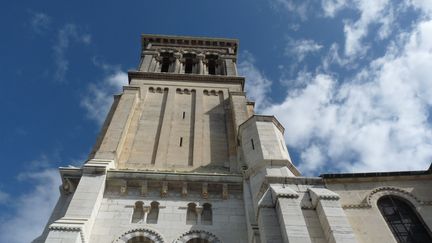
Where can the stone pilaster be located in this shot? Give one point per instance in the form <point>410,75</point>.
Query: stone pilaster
<point>111,145</point>
<point>161,153</point>
<point>239,109</point>
<point>231,68</point>
<point>147,57</point>
<point>269,227</point>
<point>77,224</point>
<point>200,58</point>
<point>177,63</point>
<point>292,223</point>
<point>198,129</point>
<point>334,222</point>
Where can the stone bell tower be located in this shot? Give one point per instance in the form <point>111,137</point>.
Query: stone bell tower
<point>183,158</point>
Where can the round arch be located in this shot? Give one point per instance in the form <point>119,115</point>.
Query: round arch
<point>140,232</point>
<point>379,192</point>
<point>198,234</point>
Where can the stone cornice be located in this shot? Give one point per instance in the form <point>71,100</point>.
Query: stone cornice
<point>264,118</point>
<point>70,225</point>
<point>187,77</point>
<point>188,41</point>
<point>174,176</point>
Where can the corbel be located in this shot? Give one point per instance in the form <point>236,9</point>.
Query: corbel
<point>144,188</point>
<point>164,189</point>
<point>184,189</point>
<point>225,191</point>
<point>204,192</point>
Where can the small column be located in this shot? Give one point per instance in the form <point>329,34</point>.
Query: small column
<point>153,62</point>
<point>199,210</point>
<point>200,58</point>
<point>157,66</point>
<point>205,66</point>
<point>334,222</point>
<point>177,63</point>
<point>146,210</point>
<point>289,212</point>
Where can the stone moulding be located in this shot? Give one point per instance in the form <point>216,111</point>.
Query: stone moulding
<point>198,234</point>
<point>137,232</point>
<point>132,74</point>
<point>188,41</point>
<point>373,196</point>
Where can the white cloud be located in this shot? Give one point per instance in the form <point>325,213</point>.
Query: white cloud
<point>257,85</point>
<point>99,96</point>
<point>301,48</point>
<point>68,34</point>
<point>31,210</point>
<point>383,14</point>
<point>331,7</point>
<point>39,22</point>
<point>312,158</point>
<point>371,11</point>
<point>300,8</point>
<point>379,121</point>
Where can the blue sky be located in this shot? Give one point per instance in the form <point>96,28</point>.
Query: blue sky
<point>350,80</point>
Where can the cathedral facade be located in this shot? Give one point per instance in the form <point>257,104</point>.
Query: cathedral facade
<point>182,157</point>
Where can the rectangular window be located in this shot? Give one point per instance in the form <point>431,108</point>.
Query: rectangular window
<point>181,141</point>
<point>253,145</point>
<point>184,114</point>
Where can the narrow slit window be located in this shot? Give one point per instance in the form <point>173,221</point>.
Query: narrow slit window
<point>253,145</point>
<point>181,141</point>
<point>184,114</point>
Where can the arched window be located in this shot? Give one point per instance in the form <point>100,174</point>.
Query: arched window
<point>153,215</point>
<point>191,214</point>
<point>207,214</point>
<point>138,213</point>
<point>403,221</point>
